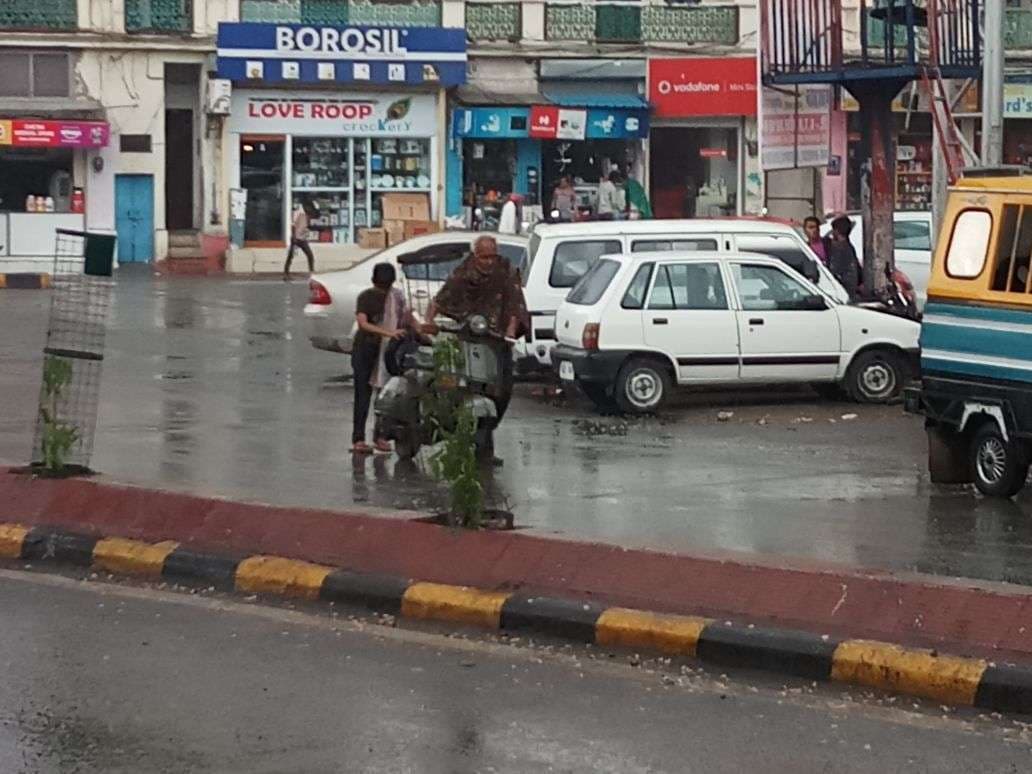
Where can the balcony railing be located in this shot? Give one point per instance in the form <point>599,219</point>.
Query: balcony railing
<point>158,15</point>
<point>610,23</point>
<point>425,13</point>
<point>494,21</point>
<point>38,15</point>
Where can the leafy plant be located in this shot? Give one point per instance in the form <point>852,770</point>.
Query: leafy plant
<point>453,428</point>
<point>58,437</point>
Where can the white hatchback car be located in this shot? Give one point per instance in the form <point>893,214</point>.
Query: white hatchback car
<point>637,324</point>
<point>330,312</point>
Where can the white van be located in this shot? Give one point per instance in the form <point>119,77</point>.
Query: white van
<point>560,254</point>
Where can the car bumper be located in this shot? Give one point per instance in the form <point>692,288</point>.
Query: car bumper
<point>588,366</point>
<point>324,332</point>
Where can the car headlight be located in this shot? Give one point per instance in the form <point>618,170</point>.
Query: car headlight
<point>478,324</point>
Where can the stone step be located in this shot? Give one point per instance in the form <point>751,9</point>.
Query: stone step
<point>184,239</point>
<point>185,251</point>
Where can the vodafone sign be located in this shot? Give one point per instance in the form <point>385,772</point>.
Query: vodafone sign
<point>695,86</point>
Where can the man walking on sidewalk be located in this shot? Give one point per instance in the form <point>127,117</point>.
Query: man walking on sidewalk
<point>299,239</point>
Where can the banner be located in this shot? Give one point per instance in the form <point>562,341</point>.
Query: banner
<point>795,127</point>
<point>698,86</point>
<point>33,133</point>
<point>336,114</point>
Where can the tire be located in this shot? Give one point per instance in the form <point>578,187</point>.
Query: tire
<point>642,386</point>
<point>998,467</point>
<point>876,376</point>
<point>599,395</point>
<point>407,447</point>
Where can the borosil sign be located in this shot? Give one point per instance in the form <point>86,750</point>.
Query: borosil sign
<point>697,86</point>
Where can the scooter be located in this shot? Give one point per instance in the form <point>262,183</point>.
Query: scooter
<point>478,376</point>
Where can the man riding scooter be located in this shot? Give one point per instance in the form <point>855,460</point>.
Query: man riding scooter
<point>487,285</point>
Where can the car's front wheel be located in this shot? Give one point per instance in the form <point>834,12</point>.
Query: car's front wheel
<point>875,376</point>
<point>999,467</point>
<point>642,386</point>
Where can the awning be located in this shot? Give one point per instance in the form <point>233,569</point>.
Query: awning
<point>471,94</point>
<point>593,99</point>
<point>51,107</point>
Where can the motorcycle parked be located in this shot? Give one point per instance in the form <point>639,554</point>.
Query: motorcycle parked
<point>477,374</point>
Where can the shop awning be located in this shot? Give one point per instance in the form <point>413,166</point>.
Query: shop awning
<point>51,107</point>
<point>471,94</point>
<point>593,99</point>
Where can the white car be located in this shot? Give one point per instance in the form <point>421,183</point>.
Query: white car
<point>912,232</point>
<point>330,312</point>
<point>560,254</point>
<point>638,324</point>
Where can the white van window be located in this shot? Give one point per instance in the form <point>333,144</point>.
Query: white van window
<point>651,245</point>
<point>969,244</point>
<point>573,259</point>
<point>688,286</point>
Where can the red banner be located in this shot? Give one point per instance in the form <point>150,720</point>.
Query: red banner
<point>690,86</point>
<point>31,133</point>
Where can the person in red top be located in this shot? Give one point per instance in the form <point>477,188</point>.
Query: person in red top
<point>812,228</point>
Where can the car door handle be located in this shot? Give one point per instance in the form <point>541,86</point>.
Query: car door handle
<point>659,321</point>
<point>755,321</point>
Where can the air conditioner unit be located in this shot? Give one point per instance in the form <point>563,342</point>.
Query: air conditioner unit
<point>219,92</point>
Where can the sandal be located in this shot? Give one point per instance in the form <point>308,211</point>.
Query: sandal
<point>382,447</point>
<point>361,448</point>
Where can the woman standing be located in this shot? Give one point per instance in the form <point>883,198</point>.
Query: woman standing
<point>382,315</point>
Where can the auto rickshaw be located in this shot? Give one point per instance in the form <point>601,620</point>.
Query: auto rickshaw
<point>976,338</point>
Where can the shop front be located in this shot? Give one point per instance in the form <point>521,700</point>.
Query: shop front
<point>703,111</point>
<point>43,169</point>
<point>1017,124</point>
<point>361,121</point>
<point>528,149</point>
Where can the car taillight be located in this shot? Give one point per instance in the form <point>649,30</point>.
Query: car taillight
<point>318,294</point>
<point>589,338</point>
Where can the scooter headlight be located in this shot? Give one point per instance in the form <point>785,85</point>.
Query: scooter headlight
<point>478,324</point>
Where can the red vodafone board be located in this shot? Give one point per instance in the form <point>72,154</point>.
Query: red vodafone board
<point>694,86</point>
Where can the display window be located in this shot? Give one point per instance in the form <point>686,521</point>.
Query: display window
<point>694,171</point>
<point>36,180</point>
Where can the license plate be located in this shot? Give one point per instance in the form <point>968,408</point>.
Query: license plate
<point>566,370</point>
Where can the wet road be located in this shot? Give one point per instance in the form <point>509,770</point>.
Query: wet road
<point>210,386</point>
<point>102,678</point>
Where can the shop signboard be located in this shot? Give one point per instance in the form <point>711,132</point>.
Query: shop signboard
<point>1017,100</point>
<point>33,133</point>
<point>795,127</point>
<point>349,54</point>
<point>555,123</point>
<point>698,86</point>
<point>485,123</point>
<point>333,114</point>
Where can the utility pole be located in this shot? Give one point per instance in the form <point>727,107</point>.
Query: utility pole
<point>992,84</point>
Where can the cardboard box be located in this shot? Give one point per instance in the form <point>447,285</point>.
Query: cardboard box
<point>405,206</point>
<point>372,238</point>
<point>414,228</point>
<point>395,231</point>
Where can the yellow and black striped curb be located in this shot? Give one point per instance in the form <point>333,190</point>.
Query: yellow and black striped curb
<point>925,673</point>
<point>25,281</point>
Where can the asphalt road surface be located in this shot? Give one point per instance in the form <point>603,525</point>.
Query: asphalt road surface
<point>211,386</point>
<point>108,678</point>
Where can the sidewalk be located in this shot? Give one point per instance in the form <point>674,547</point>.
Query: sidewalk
<point>967,617</point>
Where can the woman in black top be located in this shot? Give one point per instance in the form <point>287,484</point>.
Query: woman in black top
<point>382,315</point>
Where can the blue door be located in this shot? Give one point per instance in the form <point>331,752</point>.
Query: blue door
<point>134,218</point>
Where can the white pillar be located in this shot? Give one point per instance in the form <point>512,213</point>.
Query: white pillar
<point>992,85</point>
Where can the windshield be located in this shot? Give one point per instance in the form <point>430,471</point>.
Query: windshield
<point>591,286</point>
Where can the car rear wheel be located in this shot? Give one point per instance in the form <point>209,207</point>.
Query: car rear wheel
<point>642,386</point>
<point>999,467</point>
<point>875,376</point>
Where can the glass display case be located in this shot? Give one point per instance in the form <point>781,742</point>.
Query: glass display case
<point>341,180</point>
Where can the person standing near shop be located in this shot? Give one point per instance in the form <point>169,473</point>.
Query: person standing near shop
<point>299,238</point>
<point>564,200</point>
<point>511,219</point>
<point>638,207</point>
<point>610,199</point>
<point>842,258</point>
<point>381,314</point>
<point>691,194</point>
<point>819,245</point>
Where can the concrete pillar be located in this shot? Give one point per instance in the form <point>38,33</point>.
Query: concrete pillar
<point>453,13</point>
<point>533,21</point>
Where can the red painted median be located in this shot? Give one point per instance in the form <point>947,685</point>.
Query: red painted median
<point>973,617</point>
